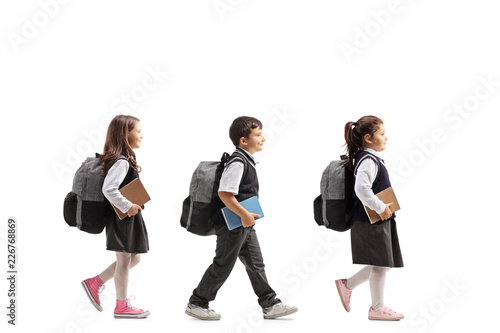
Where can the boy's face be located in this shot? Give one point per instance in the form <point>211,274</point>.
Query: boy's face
<point>254,142</point>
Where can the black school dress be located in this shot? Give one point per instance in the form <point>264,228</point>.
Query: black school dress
<point>375,244</point>
<point>130,234</point>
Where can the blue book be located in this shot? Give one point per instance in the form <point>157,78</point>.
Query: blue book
<point>233,221</point>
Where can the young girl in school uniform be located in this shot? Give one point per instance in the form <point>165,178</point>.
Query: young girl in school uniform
<point>374,245</point>
<point>128,237</point>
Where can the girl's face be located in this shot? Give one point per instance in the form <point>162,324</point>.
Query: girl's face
<point>135,136</point>
<point>378,140</point>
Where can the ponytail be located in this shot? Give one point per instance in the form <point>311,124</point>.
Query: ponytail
<point>353,142</point>
<point>354,133</point>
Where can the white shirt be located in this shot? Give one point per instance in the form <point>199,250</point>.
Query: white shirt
<point>365,176</point>
<point>232,174</point>
<point>114,178</point>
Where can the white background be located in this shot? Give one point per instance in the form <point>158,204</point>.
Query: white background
<point>66,68</point>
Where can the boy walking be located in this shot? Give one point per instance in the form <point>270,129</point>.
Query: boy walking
<point>238,182</point>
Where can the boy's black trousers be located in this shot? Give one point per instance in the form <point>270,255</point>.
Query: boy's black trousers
<point>238,243</point>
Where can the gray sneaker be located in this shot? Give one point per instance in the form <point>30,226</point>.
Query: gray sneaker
<point>201,313</point>
<point>279,310</point>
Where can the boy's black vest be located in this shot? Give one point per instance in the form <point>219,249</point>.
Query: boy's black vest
<point>249,185</point>
<point>381,183</point>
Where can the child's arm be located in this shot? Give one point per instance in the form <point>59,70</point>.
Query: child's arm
<point>365,177</point>
<point>112,181</point>
<point>247,219</point>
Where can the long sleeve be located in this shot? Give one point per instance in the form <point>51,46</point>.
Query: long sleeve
<point>365,176</point>
<point>116,175</point>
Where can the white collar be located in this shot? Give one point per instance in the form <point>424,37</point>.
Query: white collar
<point>248,153</point>
<point>373,152</point>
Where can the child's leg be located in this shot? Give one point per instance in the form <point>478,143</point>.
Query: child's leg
<point>226,253</point>
<point>251,256</point>
<point>377,284</point>
<point>109,272</point>
<point>360,277</point>
<point>123,261</point>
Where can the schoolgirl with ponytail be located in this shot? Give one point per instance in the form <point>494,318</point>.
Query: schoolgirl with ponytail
<point>374,245</point>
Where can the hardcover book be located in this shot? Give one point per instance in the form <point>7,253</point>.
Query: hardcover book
<point>135,193</point>
<point>386,196</point>
<point>233,221</point>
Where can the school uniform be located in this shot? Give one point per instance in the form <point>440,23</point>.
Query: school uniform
<point>130,234</point>
<point>240,243</point>
<point>373,244</point>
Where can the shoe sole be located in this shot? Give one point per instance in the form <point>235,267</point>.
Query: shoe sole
<point>337,284</point>
<point>201,318</point>
<point>381,319</point>
<point>281,314</point>
<point>132,316</point>
<point>89,294</point>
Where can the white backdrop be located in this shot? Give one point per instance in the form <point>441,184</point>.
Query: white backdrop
<point>304,68</point>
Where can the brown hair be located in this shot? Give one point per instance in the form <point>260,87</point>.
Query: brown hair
<point>241,128</point>
<point>117,142</point>
<point>354,133</point>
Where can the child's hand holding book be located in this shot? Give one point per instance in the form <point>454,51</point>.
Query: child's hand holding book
<point>248,219</point>
<point>133,210</point>
<point>387,213</point>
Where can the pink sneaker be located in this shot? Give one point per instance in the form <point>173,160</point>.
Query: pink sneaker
<point>384,313</point>
<point>124,309</point>
<point>93,287</point>
<point>344,293</point>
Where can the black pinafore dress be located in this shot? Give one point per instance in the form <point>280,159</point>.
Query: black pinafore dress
<point>130,234</point>
<point>375,244</point>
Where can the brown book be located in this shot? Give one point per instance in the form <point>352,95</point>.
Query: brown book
<point>135,193</point>
<point>386,196</point>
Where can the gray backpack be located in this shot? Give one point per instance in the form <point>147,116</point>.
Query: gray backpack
<point>201,209</point>
<point>85,207</point>
<point>334,207</point>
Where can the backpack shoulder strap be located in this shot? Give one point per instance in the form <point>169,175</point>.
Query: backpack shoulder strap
<point>237,156</point>
<point>121,157</point>
<point>128,176</point>
<point>372,157</point>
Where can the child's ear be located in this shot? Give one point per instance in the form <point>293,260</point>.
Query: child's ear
<point>367,138</point>
<point>243,141</point>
